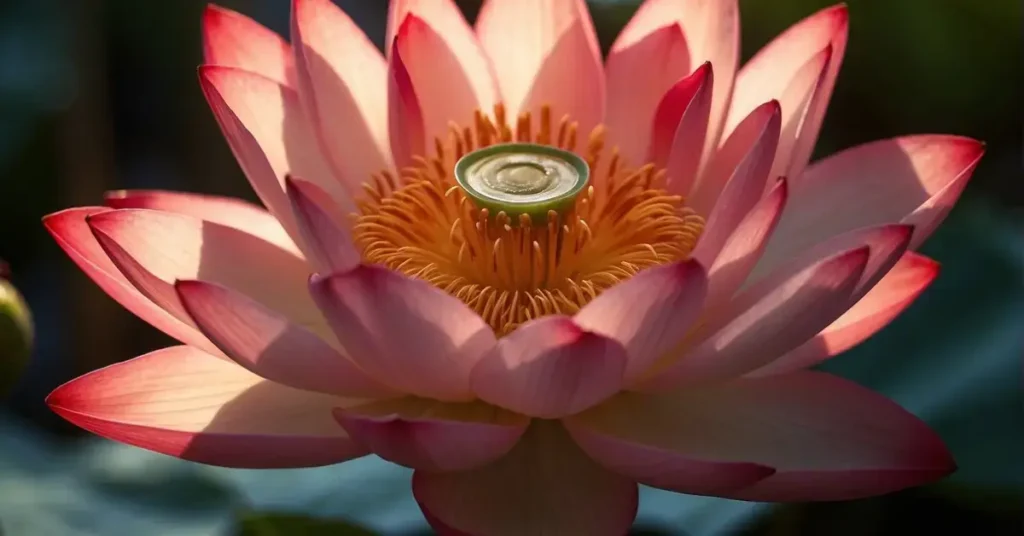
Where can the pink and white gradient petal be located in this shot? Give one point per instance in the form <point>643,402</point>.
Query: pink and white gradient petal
<point>635,90</point>
<point>241,215</point>
<point>732,264</point>
<point>764,322</point>
<point>680,129</point>
<point>648,314</point>
<point>434,436</point>
<point>545,485</point>
<point>711,30</point>
<point>405,333</point>
<point>231,39</point>
<point>881,305</point>
<point>321,227</point>
<point>70,230</point>
<point>827,439</point>
<point>183,402</point>
<point>341,80</point>
<point>556,60</point>
<point>778,63</point>
<point>549,368</point>
<point>877,183</point>
<point>154,249</point>
<point>272,347</point>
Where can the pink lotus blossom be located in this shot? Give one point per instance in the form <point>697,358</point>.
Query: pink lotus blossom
<point>531,364</point>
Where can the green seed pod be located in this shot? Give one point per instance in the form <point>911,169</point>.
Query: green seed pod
<point>522,178</point>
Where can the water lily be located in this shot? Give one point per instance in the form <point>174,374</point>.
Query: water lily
<point>533,276</point>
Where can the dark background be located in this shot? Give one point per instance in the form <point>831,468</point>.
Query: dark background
<point>98,95</point>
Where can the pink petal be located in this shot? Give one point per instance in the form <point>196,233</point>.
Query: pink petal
<point>828,439</point>
<point>736,177</point>
<point>649,313</point>
<point>270,346</point>
<point>877,183</point>
<point>154,249</point>
<point>731,265</point>
<point>555,59</point>
<point>72,234</point>
<point>404,332</point>
<point>549,368</point>
<point>887,300</point>
<point>231,39</point>
<point>766,321</point>
<point>267,130</point>
<point>319,220</point>
<point>886,243</point>
<point>635,89</point>
<point>434,436</point>
<point>228,211</point>
<point>799,96</point>
<point>637,436</point>
<point>341,79</point>
<point>405,115</point>
<point>446,90</point>
<point>712,34</point>
<point>680,126</point>
<point>185,403</point>
<point>545,485</point>
<point>451,75</point>
<point>768,73</point>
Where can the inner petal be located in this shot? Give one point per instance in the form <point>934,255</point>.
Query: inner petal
<point>514,261</point>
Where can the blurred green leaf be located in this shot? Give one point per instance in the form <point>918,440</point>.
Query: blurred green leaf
<point>266,524</point>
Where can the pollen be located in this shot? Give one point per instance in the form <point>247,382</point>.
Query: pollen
<point>511,264</point>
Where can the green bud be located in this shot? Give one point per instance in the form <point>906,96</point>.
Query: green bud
<point>15,335</point>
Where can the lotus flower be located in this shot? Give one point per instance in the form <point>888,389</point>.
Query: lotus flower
<point>534,277</point>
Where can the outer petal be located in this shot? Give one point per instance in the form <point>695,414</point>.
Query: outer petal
<point>270,346</point>
<point>886,242</point>
<point>890,297</point>
<point>712,32</point>
<point>228,211</point>
<point>326,237</point>
<point>635,89</point>
<point>648,314</point>
<point>651,447</point>
<point>680,128</point>
<point>183,402</point>
<point>341,79</point>
<point>404,332</point>
<point>434,436</point>
<point>768,73</point>
<point>731,265</point>
<point>231,39</point>
<point>827,438</point>
<point>737,174</point>
<point>70,230</point>
<point>765,322</point>
<point>545,485</point>
<point>267,130</point>
<point>555,60</point>
<point>877,183</point>
<point>549,368</point>
<point>154,249</point>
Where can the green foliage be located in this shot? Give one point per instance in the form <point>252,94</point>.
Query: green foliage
<point>280,524</point>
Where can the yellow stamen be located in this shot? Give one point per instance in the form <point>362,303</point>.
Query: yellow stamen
<point>508,267</point>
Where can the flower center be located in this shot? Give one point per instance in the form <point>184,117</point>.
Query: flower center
<point>517,223</point>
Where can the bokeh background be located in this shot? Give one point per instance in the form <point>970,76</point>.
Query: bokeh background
<point>98,95</point>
